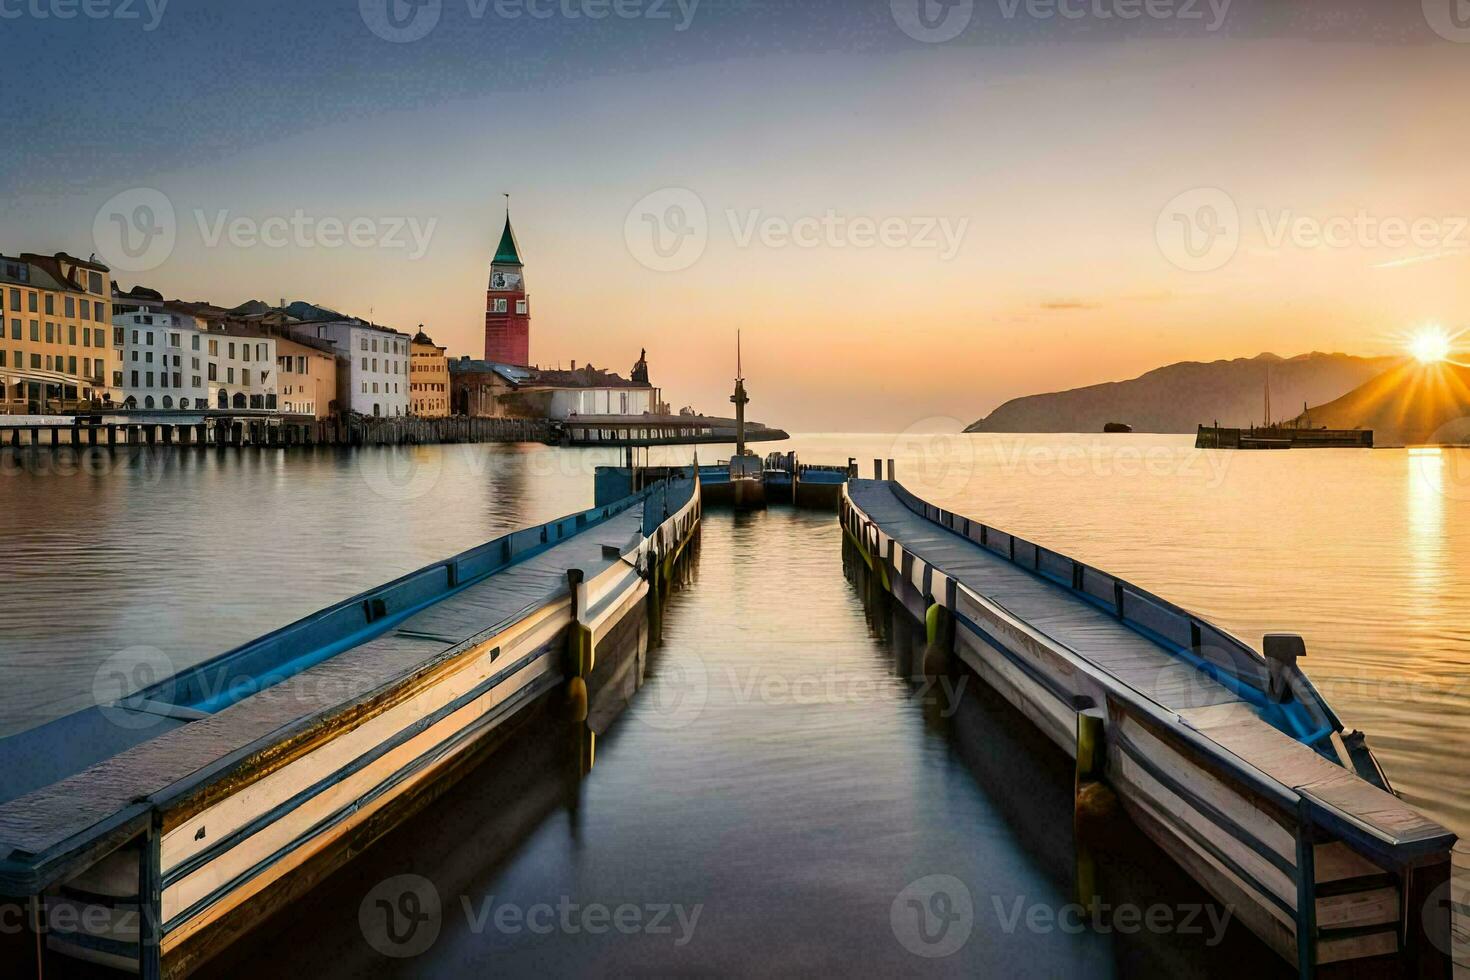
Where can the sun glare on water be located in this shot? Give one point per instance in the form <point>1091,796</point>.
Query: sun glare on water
<point>1430,345</point>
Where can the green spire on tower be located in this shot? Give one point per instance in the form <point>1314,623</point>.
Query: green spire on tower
<point>508,253</point>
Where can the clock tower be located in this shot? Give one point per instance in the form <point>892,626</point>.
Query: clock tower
<point>507,305</point>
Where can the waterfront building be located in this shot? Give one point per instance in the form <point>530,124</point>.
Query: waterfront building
<point>507,304</point>
<point>428,377</point>
<point>486,389</point>
<point>373,377</point>
<point>306,376</point>
<point>242,369</point>
<point>55,349</point>
<point>476,386</point>
<point>162,354</point>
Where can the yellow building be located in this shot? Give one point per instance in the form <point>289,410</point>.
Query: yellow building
<point>306,377</point>
<point>428,378</point>
<point>56,350</point>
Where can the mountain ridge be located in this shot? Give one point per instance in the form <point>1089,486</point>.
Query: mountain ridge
<point>1178,397</point>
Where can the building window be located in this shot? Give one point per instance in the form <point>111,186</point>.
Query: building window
<point>521,307</point>
<point>135,380</point>
<point>194,341</point>
<point>97,312</point>
<point>94,282</point>
<point>50,305</point>
<point>14,329</point>
<point>168,401</point>
<point>499,306</point>
<point>214,349</point>
<point>71,334</point>
<point>148,402</point>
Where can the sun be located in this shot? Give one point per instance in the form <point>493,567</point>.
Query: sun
<point>1430,345</point>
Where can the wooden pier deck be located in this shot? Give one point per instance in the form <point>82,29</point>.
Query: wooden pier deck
<point>1230,761</point>
<point>272,763</point>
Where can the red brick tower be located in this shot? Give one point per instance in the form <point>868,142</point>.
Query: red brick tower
<point>507,306</point>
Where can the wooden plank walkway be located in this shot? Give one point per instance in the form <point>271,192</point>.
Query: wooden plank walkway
<point>1081,626</point>
<point>45,818</point>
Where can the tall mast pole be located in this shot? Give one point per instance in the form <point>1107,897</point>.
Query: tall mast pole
<point>739,398</point>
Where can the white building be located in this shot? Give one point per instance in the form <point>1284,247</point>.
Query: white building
<point>374,379</point>
<point>242,370</point>
<point>164,364</point>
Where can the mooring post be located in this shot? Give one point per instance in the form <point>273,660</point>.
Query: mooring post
<point>939,637</point>
<point>1092,802</point>
<point>579,647</point>
<point>1306,891</point>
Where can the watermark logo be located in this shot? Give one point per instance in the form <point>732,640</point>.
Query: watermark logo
<point>1199,230</point>
<point>1124,10</point>
<point>408,234</point>
<point>933,21</point>
<point>1443,466</point>
<point>1443,918</point>
<point>401,21</point>
<point>402,474</point>
<point>933,917</point>
<point>135,231</point>
<point>119,10</point>
<point>118,684</point>
<point>936,454</point>
<point>574,918</point>
<point>401,916</point>
<point>1041,918</point>
<point>1450,19</point>
<point>835,230</point>
<point>677,694</point>
<point>668,230</point>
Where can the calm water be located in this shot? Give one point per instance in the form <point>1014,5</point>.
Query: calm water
<point>795,815</point>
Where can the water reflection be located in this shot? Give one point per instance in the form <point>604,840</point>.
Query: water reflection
<point>816,811</point>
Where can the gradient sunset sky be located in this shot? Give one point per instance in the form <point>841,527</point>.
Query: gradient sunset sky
<point>1068,150</point>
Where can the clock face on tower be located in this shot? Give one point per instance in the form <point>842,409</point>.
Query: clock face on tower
<point>505,280</point>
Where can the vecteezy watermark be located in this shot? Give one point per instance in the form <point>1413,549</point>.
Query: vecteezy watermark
<point>119,685</point>
<point>834,230</point>
<point>1189,919</point>
<point>676,695</point>
<point>1210,13</point>
<point>148,13</point>
<point>933,916</point>
<point>135,230</point>
<point>1199,230</point>
<point>752,685</point>
<point>1202,229</point>
<point>1450,19</point>
<point>675,920</point>
<point>1106,460</point>
<point>404,21</point>
<point>403,916</point>
<point>667,230</point>
<point>302,230</point>
<point>933,21</point>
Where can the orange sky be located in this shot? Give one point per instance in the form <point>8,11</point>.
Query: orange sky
<point>1058,159</point>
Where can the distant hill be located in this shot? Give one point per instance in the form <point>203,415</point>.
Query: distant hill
<point>1409,404</point>
<point>1181,396</point>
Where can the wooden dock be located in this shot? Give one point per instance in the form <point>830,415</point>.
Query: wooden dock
<point>262,430</point>
<point>1231,761</point>
<point>149,833</point>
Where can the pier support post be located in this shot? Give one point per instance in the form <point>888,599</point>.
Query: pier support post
<point>1093,803</point>
<point>1306,892</point>
<point>655,597</point>
<point>877,469</point>
<point>939,633</point>
<point>579,647</point>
